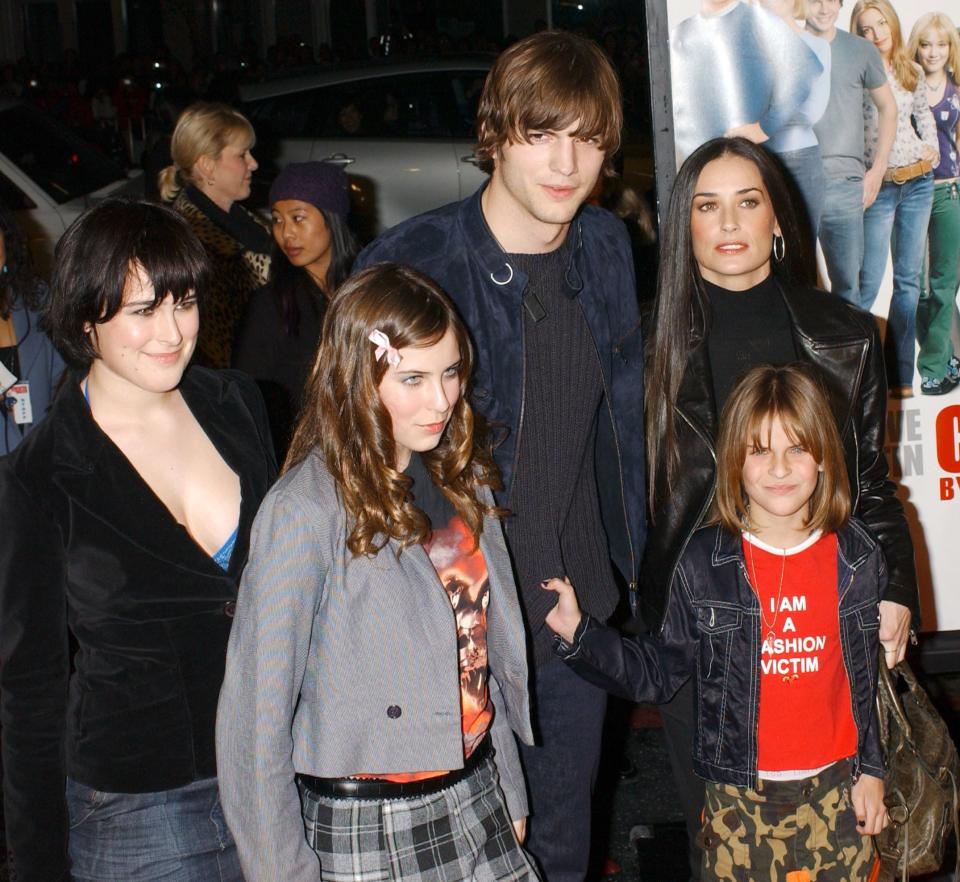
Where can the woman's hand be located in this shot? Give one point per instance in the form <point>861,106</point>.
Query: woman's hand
<point>894,631</point>
<point>520,829</point>
<point>868,804</point>
<point>927,152</point>
<point>565,616</point>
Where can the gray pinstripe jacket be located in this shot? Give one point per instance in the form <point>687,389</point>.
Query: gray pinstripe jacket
<point>322,645</point>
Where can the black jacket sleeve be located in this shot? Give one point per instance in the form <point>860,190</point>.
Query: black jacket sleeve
<point>34,672</point>
<point>878,506</point>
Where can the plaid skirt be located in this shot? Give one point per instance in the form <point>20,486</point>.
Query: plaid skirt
<point>462,832</point>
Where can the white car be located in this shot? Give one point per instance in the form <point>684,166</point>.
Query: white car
<point>49,176</point>
<point>404,132</point>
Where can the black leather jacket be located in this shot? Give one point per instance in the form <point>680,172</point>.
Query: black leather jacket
<point>712,631</point>
<point>842,341</point>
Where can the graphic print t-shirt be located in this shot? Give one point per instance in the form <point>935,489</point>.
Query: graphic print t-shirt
<point>806,715</point>
<point>462,571</point>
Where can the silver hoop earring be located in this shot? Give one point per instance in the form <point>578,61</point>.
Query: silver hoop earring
<point>779,248</point>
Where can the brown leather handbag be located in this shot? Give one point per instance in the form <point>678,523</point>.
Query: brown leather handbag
<point>922,772</point>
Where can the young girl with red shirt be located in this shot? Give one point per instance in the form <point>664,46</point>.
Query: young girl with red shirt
<point>774,611</point>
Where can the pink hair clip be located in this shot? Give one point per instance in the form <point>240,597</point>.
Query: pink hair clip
<point>382,342</point>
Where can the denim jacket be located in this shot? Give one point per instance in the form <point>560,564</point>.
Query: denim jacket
<point>454,246</point>
<point>712,630</point>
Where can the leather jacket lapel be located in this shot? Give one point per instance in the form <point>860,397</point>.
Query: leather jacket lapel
<point>839,354</point>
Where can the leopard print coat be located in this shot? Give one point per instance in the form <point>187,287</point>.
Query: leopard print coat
<point>236,273</point>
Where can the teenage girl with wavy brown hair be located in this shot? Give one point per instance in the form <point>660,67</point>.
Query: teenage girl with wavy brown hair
<point>356,708</point>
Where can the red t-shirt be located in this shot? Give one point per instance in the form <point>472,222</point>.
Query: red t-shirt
<point>806,714</point>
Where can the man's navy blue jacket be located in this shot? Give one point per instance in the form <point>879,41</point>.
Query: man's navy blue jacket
<point>453,246</point>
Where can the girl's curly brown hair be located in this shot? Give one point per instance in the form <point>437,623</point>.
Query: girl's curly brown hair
<point>344,419</point>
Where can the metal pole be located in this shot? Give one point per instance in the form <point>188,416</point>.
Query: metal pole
<point>661,100</point>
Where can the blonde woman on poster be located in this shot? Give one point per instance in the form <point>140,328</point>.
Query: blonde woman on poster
<point>902,207</point>
<point>935,46</point>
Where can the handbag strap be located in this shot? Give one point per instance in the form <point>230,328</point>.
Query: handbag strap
<point>890,691</point>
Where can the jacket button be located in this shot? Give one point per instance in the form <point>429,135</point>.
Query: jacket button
<point>394,711</point>
<point>230,609</point>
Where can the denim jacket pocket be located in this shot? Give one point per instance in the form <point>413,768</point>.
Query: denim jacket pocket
<point>718,619</point>
<point>868,617</point>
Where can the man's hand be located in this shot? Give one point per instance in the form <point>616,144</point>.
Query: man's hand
<point>565,616</point>
<point>867,798</point>
<point>894,631</point>
<point>520,829</point>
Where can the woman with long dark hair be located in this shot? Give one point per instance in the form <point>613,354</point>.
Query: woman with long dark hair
<point>30,366</point>
<point>729,298</point>
<point>314,249</point>
<point>126,517</point>
<point>377,670</point>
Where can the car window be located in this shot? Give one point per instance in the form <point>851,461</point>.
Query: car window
<point>408,106</point>
<point>283,116</point>
<point>61,164</point>
<point>466,87</point>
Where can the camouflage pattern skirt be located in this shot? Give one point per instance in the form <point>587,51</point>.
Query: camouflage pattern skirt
<point>785,831</point>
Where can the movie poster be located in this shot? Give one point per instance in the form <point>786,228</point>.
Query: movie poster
<point>774,71</point>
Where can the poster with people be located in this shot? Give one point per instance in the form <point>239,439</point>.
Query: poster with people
<point>859,103</point>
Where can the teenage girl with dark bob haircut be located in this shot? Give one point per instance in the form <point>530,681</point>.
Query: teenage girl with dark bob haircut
<point>126,518</point>
<point>377,670</point>
<point>731,296</point>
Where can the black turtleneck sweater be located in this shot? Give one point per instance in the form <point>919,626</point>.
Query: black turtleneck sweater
<point>747,328</point>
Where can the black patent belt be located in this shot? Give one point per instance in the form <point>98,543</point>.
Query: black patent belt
<point>372,788</point>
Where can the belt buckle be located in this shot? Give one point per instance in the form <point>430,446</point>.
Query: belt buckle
<point>901,174</point>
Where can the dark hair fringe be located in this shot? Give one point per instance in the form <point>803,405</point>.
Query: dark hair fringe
<point>94,259</point>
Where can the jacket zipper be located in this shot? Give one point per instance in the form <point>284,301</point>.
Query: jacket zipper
<point>523,401</point>
<point>632,581</point>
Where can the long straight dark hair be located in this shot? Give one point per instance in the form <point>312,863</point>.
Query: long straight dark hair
<point>286,280</point>
<point>680,312</point>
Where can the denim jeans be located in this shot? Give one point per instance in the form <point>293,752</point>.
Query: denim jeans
<point>841,235</point>
<point>176,835</point>
<point>897,222</point>
<point>939,290</point>
<point>561,770</point>
<point>806,169</point>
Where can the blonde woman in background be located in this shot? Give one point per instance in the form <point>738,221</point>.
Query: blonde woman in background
<point>902,207</point>
<point>935,46</point>
<point>211,173</point>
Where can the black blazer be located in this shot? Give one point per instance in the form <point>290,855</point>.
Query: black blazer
<point>842,341</point>
<point>90,553</point>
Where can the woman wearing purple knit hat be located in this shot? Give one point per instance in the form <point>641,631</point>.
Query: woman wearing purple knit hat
<point>314,249</point>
